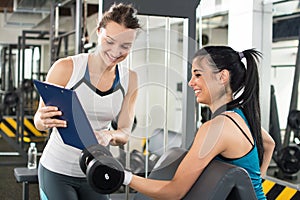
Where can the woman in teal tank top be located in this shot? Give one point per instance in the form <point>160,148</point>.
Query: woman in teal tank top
<point>234,134</point>
<point>250,161</point>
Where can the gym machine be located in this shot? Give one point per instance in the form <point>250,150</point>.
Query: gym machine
<point>18,97</point>
<point>10,100</point>
<point>287,154</point>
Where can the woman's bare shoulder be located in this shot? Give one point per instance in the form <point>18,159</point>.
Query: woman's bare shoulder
<point>61,71</point>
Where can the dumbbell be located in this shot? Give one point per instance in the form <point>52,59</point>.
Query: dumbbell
<point>11,99</point>
<point>288,159</point>
<point>103,172</point>
<point>27,85</point>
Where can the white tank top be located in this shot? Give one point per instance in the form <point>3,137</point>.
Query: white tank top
<point>100,107</point>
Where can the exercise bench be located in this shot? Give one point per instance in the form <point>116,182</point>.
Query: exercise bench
<point>26,176</point>
<point>218,181</point>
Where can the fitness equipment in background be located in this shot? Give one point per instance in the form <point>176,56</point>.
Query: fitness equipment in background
<point>14,125</point>
<point>114,124</point>
<point>155,151</point>
<point>274,127</point>
<point>294,122</point>
<point>10,99</point>
<point>137,158</point>
<point>104,173</point>
<point>288,158</point>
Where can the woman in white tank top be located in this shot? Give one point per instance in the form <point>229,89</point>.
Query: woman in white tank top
<point>105,89</point>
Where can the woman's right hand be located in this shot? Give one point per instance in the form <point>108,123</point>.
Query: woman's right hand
<point>46,117</point>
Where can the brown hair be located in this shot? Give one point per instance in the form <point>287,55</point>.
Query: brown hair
<point>124,14</point>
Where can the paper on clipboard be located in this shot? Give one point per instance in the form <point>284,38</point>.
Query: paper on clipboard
<point>79,132</point>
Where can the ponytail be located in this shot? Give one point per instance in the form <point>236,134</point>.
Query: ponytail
<point>250,98</point>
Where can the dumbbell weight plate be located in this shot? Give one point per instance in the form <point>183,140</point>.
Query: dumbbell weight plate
<point>89,153</point>
<point>105,174</point>
<point>27,85</point>
<point>11,99</point>
<point>289,159</point>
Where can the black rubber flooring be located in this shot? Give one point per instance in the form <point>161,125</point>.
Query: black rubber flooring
<point>9,188</point>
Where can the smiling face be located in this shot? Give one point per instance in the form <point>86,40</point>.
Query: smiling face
<point>206,82</point>
<point>115,42</point>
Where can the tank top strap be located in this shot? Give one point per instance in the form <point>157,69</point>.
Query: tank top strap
<point>238,127</point>
<point>87,74</point>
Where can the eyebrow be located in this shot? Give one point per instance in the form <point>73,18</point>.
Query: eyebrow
<point>126,43</point>
<point>110,37</point>
<point>196,70</point>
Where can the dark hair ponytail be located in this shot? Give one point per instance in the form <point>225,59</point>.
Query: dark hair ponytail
<point>244,82</point>
<point>250,98</point>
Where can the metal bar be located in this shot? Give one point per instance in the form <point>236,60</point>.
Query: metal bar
<point>56,23</point>
<point>51,31</point>
<point>100,10</point>
<point>9,154</point>
<point>64,3</point>
<point>23,55</point>
<point>66,47</point>
<point>78,27</point>
<point>167,65</point>
<point>282,1</point>
<point>36,38</point>
<point>65,34</point>
<point>12,143</point>
<point>188,111</point>
<point>35,32</point>
<point>3,63</point>
<point>147,96</point>
<point>9,86</point>
<point>25,189</point>
<point>39,64</point>
<point>20,121</point>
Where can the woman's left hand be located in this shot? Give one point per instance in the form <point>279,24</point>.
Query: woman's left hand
<point>104,137</point>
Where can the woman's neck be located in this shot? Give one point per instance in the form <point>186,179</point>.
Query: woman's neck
<point>220,105</point>
<point>97,64</point>
<point>216,104</point>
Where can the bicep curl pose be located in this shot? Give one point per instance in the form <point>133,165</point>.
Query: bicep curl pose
<point>234,134</point>
<point>106,91</point>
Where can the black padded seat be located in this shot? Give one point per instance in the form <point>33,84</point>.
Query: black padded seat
<point>218,181</point>
<point>26,176</point>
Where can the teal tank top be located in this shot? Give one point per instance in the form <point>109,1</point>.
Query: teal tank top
<point>250,162</point>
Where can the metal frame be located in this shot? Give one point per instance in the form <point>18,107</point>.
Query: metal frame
<point>56,36</point>
<point>26,35</point>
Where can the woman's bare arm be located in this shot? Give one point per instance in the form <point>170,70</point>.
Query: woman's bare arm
<point>126,117</point>
<point>203,150</point>
<point>269,146</point>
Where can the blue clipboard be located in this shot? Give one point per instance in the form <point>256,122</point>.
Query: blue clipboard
<point>79,132</point>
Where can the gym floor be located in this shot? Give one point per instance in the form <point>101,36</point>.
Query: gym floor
<point>9,188</point>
